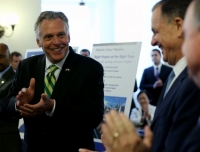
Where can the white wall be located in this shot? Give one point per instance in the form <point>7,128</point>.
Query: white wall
<point>23,36</point>
<point>84,30</point>
<point>118,21</point>
<point>133,23</point>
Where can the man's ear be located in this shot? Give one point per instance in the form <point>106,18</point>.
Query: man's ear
<point>179,26</point>
<point>38,42</point>
<point>68,38</point>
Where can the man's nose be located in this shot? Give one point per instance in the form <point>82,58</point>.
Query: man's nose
<point>56,40</point>
<point>153,41</point>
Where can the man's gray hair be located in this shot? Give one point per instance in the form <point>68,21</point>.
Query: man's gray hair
<point>50,15</point>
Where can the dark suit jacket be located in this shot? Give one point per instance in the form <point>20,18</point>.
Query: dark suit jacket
<point>176,114</point>
<point>148,80</point>
<point>9,134</point>
<point>192,141</point>
<point>79,104</point>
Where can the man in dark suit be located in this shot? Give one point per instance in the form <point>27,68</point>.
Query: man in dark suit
<point>178,107</point>
<point>10,140</point>
<point>15,58</point>
<point>154,77</point>
<point>190,49</point>
<point>58,94</point>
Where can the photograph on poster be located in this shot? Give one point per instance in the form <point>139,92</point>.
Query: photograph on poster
<point>111,102</point>
<point>33,52</point>
<point>116,103</point>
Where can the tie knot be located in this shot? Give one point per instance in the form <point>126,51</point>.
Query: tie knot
<point>53,68</point>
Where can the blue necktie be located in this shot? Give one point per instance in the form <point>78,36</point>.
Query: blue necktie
<point>169,80</point>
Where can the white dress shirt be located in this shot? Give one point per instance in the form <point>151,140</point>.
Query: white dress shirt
<point>56,73</point>
<point>155,68</point>
<point>178,68</point>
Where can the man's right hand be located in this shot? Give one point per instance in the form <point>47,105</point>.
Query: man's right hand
<point>119,135</point>
<point>127,139</point>
<point>158,83</point>
<point>26,94</point>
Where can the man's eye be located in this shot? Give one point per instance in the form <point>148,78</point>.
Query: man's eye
<point>48,37</point>
<point>61,35</point>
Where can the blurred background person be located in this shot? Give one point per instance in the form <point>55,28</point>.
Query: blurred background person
<point>144,115</point>
<point>85,52</point>
<point>154,77</point>
<point>10,140</point>
<point>15,58</point>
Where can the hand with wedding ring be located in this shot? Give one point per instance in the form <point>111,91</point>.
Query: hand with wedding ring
<point>119,135</point>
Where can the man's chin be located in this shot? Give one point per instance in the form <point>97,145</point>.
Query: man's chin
<point>197,82</point>
<point>195,77</point>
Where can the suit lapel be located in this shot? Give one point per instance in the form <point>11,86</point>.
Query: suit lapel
<point>173,91</point>
<point>39,75</point>
<point>65,73</point>
<point>6,76</point>
<point>152,73</point>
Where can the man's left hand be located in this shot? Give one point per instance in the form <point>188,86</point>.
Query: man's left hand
<point>45,104</point>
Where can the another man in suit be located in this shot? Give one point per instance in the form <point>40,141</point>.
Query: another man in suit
<point>154,77</point>
<point>15,58</point>
<point>180,98</point>
<point>85,52</point>
<point>191,49</point>
<point>59,94</point>
<point>10,140</point>
<point>177,111</point>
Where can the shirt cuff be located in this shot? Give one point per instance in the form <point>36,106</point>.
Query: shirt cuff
<point>50,114</point>
<point>16,106</point>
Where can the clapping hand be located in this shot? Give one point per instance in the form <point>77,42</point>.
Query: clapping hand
<point>119,135</point>
<point>44,105</point>
<point>26,94</point>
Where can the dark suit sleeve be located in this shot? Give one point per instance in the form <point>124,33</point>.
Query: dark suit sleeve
<point>191,143</point>
<point>144,84</point>
<point>187,107</point>
<point>85,107</point>
<point>7,104</point>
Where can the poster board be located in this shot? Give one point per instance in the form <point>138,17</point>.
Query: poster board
<point>33,52</point>
<point>120,62</point>
<point>38,51</point>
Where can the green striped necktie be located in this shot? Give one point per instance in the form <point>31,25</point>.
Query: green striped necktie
<point>50,80</point>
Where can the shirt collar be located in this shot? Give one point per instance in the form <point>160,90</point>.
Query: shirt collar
<point>180,66</point>
<point>59,64</point>
<point>159,66</point>
<point>4,71</point>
